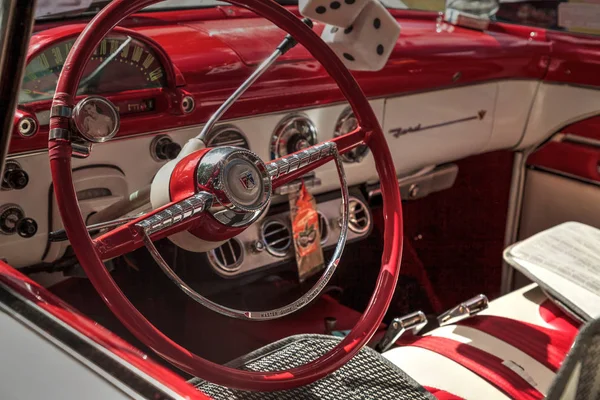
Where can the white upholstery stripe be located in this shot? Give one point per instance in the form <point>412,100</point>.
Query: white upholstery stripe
<point>433,370</point>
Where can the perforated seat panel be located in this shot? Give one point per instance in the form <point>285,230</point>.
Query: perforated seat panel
<point>367,376</point>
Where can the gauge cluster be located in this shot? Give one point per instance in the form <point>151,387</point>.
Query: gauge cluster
<point>120,63</point>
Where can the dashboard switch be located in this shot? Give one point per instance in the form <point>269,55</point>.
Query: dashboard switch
<point>27,227</point>
<point>164,148</point>
<point>10,215</point>
<point>14,177</point>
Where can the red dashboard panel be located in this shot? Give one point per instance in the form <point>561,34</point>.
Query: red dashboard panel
<point>214,50</point>
<point>575,59</point>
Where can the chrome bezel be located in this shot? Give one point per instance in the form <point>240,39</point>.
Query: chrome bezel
<point>271,251</point>
<point>27,127</point>
<point>215,133</point>
<point>351,211</point>
<point>7,207</point>
<point>78,118</point>
<point>357,154</point>
<point>230,269</point>
<point>282,134</point>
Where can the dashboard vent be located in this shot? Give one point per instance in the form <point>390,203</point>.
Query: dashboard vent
<point>227,135</point>
<point>359,220</point>
<point>323,228</point>
<point>277,237</point>
<point>228,257</point>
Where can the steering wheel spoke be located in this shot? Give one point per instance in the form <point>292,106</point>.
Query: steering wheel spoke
<point>293,166</point>
<point>157,224</point>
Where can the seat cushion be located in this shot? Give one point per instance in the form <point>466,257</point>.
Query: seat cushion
<point>525,306</point>
<point>367,376</point>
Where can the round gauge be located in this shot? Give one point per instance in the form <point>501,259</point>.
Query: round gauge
<point>347,123</point>
<point>227,135</point>
<point>293,134</point>
<point>96,119</point>
<point>10,215</point>
<point>119,63</point>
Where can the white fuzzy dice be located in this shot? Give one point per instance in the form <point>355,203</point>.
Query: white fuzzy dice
<point>367,44</point>
<point>341,13</point>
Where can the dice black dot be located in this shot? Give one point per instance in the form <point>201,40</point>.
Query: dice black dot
<point>335,5</point>
<point>348,57</point>
<point>376,23</point>
<point>380,49</point>
<point>320,10</point>
<point>334,29</point>
<point>349,2</point>
<point>348,29</point>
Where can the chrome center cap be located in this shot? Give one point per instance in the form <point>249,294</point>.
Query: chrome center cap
<point>240,182</point>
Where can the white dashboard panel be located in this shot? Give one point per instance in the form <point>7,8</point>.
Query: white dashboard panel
<point>439,126</point>
<point>513,105</point>
<point>557,106</point>
<point>411,151</point>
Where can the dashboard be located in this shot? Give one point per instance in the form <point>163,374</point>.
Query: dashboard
<point>447,93</point>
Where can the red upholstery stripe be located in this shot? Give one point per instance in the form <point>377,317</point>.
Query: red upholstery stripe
<point>557,318</point>
<point>441,394</point>
<point>548,346</point>
<point>486,365</point>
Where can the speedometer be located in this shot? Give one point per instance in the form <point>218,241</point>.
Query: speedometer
<point>120,63</point>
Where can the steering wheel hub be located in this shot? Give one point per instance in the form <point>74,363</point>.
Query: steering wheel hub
<point>240,182</point>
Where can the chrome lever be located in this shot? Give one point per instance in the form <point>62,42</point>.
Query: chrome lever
<point>464,310</point>
<point>413,322</point>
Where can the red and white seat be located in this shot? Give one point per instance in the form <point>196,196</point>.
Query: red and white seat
<point>510,350</point>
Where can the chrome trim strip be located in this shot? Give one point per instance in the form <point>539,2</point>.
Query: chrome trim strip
<point>59,133</point>
<point>288,164</point>
<point>61,111</point>
<point>577,139</point>
<point>513,217</point>
<point>176,213</point>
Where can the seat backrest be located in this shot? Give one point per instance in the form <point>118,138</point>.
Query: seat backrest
<point>579,375</point>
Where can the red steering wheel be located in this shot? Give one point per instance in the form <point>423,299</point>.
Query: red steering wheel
<point>90,252</point>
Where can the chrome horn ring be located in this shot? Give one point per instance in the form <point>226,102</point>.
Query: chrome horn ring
<point>305,299</point>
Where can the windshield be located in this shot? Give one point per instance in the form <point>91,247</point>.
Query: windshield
<point>57,9</point>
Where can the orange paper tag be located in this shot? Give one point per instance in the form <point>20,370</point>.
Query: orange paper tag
<point>307,235</point>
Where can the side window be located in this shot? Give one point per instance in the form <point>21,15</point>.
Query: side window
<point>581,16</point>
<point>541,14</point>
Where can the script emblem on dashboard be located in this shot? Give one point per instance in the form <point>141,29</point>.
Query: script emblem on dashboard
<point>397,132</point>
<point>247,180</point>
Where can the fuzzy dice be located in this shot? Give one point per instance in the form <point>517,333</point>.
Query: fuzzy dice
<point>367,43</point>
<point>341,13</point>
